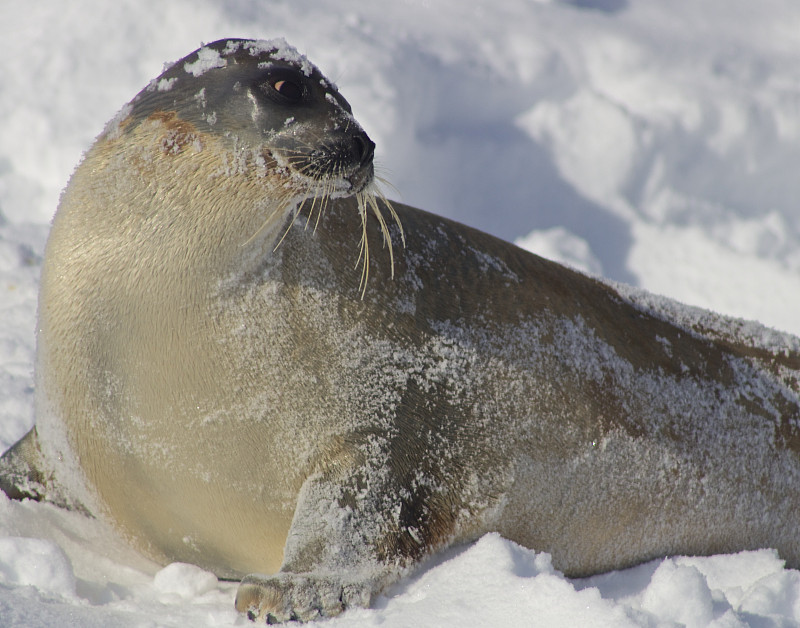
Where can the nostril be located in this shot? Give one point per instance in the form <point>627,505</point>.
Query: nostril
<point>363,149</point>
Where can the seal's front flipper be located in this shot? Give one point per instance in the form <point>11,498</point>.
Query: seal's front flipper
<point>24,474</point>
<point>342,548</point>
<point>299,597</point>
<point>20,470</point>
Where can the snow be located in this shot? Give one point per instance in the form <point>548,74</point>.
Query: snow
<point>207,59</point>
<point>653,143</point>
<point>37,563</point>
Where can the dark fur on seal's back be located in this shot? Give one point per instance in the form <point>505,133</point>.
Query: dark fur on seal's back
<point>241,404</point>
<point>604,428</point>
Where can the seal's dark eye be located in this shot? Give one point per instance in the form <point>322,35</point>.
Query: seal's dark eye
<point>285,88</point>
<point>288,89</point>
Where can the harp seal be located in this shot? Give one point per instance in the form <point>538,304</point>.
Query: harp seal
<point>216,380</point>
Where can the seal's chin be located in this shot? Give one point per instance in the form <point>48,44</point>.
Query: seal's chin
<point>361,178</point>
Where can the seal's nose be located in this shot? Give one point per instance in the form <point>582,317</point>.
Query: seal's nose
<point>363,149</point>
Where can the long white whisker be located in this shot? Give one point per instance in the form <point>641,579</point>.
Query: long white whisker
<point>322,179</point>
<point>384,229</point>
<point>362,210</point>
<point>288,227</point>
<point>281,206</point>
<point>323,204</point>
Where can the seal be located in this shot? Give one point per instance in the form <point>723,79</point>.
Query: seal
<point>216,379</point>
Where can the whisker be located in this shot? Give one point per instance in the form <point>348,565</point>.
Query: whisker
<point>311,210</point>
<point>322,179</point>
<point>283,204</point>
<point>384,229</point>
<point>393,214</point>
<point>384,182</point>
<point>323,205</point>
<point>364,249</point>
<point>288,228</point>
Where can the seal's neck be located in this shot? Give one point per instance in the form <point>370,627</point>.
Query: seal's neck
<point>194,208</point>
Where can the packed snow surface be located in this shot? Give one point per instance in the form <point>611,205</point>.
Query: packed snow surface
<point>652,143</point>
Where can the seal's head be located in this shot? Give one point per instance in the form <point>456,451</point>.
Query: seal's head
<point>266,98</point>
<point>282,136</point>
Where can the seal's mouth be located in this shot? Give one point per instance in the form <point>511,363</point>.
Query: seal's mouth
<point>360,179</point>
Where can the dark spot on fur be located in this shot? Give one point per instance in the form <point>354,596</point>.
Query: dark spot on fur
<point>178,134</point>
